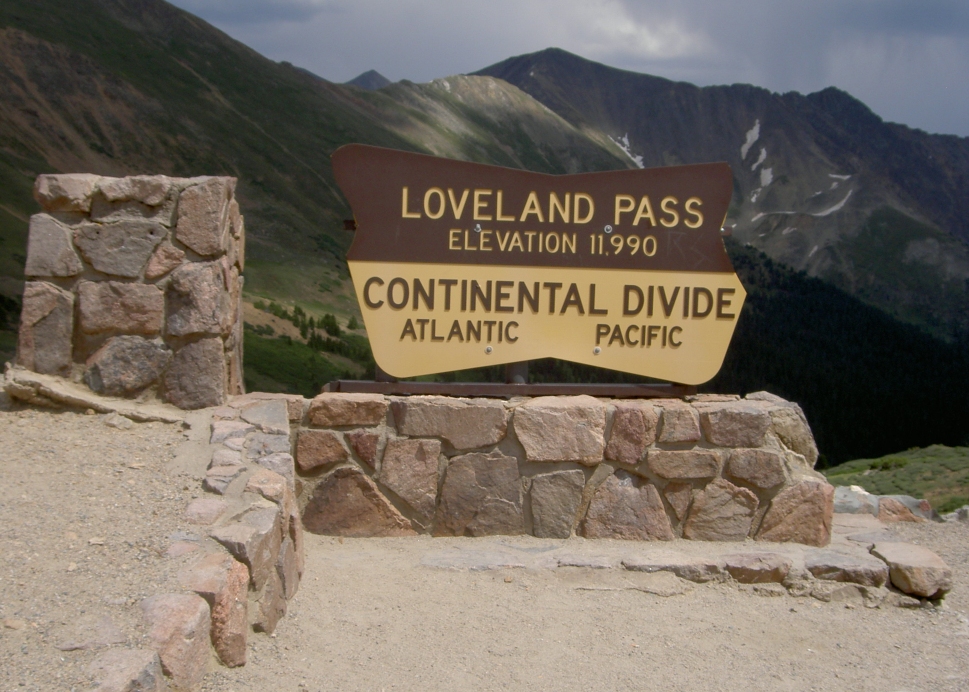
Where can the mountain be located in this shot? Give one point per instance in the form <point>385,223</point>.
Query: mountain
<point>822,184</point>
<point>116,87</point>
<point>138,86</point>
<point>370,80</point>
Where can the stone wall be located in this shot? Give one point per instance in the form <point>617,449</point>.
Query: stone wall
<point>240,573</point>
<point>706,468</point>
<point>134,286</point>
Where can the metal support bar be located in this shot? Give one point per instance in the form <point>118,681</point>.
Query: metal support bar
<point>517,373</point>
<point>498,389</point>
<point>382,376</point>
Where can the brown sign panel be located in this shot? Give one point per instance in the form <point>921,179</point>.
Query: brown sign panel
<point>416,208</point>
<point>459,265</point>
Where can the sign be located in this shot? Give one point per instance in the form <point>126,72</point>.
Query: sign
<point>460,265</point>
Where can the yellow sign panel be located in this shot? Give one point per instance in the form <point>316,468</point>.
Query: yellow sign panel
<point>425,318</point>
<point>459,265</point>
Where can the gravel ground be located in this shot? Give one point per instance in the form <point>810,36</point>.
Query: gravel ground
<point>89,510</point>
<point>369,616</point>
<point>85,518</point>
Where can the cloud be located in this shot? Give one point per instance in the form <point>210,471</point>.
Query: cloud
<point>921,83</point>
<point>610,27</point>
<point>907,59</point>
<point>425,39</point>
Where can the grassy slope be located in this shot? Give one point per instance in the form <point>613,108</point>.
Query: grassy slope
<point>202,103</point>
<point>490,121</point>
<point>285,365</point>
<point>937,473</point>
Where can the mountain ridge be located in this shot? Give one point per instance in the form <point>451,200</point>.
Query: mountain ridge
<point>810,171</point>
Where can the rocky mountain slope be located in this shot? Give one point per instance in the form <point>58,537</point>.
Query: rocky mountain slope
<point>371,79</point>
<point>488,120</point>
<point>821,183</point>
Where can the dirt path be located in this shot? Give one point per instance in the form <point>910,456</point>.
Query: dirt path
<point>377,614</point>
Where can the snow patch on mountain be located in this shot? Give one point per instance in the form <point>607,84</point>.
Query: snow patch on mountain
<point>766,178</point>
<point>826,212</point>
<point>623,143</point>
<point>760,159</point>
<point>752,135</point>
<point>836,207</point>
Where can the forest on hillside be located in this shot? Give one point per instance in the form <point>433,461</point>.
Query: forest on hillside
<point>869,384</point>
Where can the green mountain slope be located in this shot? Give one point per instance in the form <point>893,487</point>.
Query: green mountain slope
<point>116,87</point>
<point>488,120</point>
<point>141,86</point>
<point>812,174</point>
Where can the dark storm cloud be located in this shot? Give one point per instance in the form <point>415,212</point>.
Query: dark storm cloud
<point>939,17</point>
<point>907,60</point>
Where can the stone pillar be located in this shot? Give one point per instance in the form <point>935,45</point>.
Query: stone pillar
<point>135,284</point>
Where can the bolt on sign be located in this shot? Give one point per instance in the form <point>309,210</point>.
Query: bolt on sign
<point>460,265</point>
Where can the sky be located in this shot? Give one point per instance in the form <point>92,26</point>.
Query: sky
<point>908,60</point>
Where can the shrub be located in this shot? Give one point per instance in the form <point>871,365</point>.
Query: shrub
<point>330,326</point>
